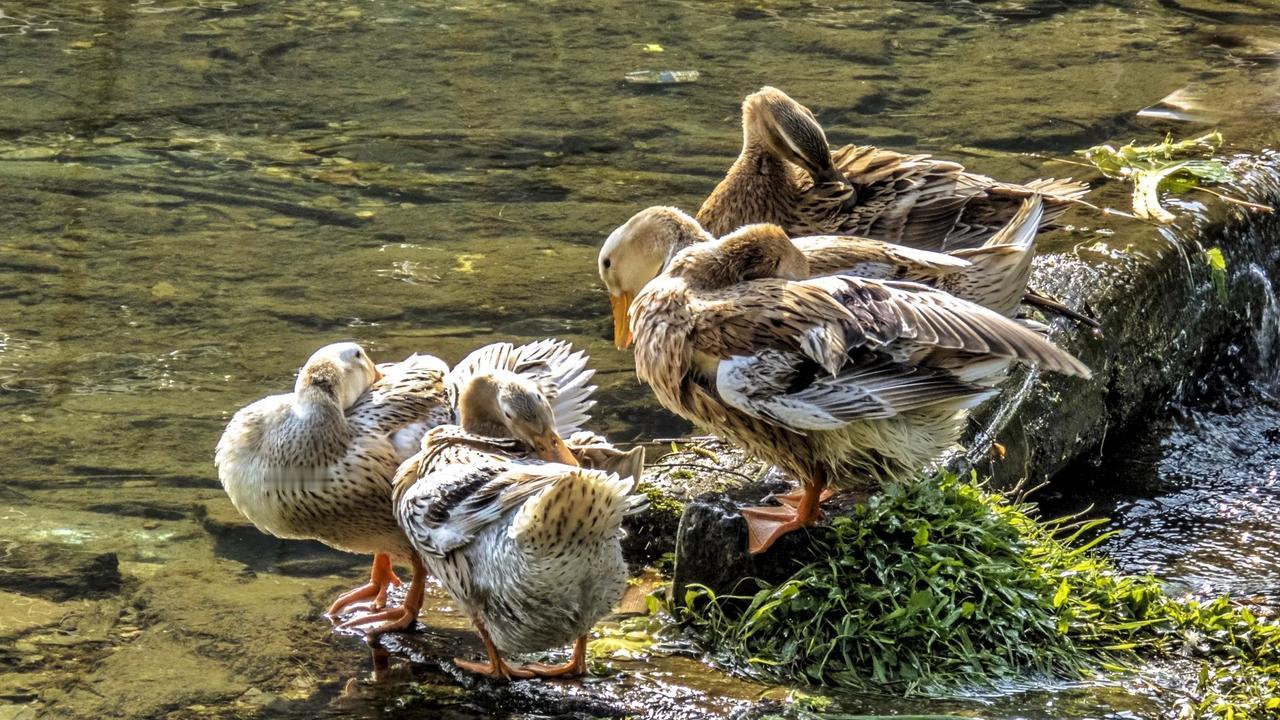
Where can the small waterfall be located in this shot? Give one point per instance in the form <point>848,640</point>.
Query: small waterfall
<point>1267,333</point>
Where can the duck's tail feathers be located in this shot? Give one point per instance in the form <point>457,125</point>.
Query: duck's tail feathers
<point>560,371</point>
<point>581,508</point>
<point>1059,189</point>
<point>1000,268</point>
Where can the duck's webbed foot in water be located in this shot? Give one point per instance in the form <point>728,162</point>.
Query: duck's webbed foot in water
<point>766,524</point>
<point>397,618</point>
<point>496,668</point>
<point>381,577</point>
<point>576,667</point>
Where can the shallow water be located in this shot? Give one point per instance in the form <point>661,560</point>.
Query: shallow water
<point>198,194</point>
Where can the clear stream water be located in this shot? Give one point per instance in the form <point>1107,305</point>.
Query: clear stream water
<point>195,194</point>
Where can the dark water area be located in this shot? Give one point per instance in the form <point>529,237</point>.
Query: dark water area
<point>195,194</point>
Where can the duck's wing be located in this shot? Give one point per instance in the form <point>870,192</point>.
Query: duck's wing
<point>913,200</point>
<point>821,353</point>
<point>595,452</point>
<point>407,401</point>
<point>447,507</point>
<point>867,258</point>
<point>1000,267</point>
<point>560,371</point>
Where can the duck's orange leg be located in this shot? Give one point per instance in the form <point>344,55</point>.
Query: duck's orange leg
<point>576,667</point>
<point>496,668</point>
<point>766,524</point>
<point>397,618</point>
<point>380,578</point>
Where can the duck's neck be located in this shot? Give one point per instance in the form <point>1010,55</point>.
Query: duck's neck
<point>317,403</point>
<point>759,187</point>
<point>485,427</point>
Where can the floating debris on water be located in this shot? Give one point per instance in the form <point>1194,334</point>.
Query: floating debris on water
<point>663,77</point>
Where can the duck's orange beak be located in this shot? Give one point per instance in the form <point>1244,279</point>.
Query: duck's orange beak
<point>621,320</point>
<point>377,374</point>
<point>552,449</point>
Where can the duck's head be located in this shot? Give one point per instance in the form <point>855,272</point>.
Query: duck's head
<point>788,130</point>
<point>752,252</point>
<point>637,252</point>
<point>342,371</point>
<point>500,403</point>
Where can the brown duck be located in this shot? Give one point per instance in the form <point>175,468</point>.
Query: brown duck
<point>787,174</point>
<point>843,382</point>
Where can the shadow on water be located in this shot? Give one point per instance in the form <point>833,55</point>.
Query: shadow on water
<point>197,193</point>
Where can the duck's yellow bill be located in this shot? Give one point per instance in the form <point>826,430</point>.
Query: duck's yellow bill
<point>552,449</point>
<point>621,320</point>
<point>377,374</point>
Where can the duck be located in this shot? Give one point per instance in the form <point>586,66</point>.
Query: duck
<point>318,463</point>
<point>786,174</point>
<point>994,274</point>
<point>845,383</point>
<point>523,537</point>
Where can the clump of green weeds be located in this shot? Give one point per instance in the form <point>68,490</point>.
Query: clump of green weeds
<point>938,584</point>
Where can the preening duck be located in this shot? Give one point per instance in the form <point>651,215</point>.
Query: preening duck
<point>993,274</point>
<point>843,382</point>
<point>318,463</point>
<point>786,174</point>
<point>524,539</point>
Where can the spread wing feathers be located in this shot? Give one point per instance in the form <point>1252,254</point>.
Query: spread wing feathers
<point>910,199</point>
<point>789,390</point>
<point>561,372</point>
<point>448,507</point>
<point>1000,268</point>
<point>996,202</point>
<point>866,258</point>
<point>407,401</point>
<point>824,318</point>
<point>573,509</point>
<point>932,319</point>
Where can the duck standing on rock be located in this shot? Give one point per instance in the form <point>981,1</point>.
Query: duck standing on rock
<point>845,383</point>
<point>525,540</point>
<point>318,463</point>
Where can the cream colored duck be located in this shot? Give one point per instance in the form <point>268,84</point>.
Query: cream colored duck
<point>529,550</point>
<point>318,463</point>
<point>786,174</point>
<point>843,382</point>
<point>993,275</point>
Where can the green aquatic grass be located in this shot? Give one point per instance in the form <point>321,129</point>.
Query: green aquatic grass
<point>940,584</point>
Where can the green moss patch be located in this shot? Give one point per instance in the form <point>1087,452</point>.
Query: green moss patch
<point>940,584</point>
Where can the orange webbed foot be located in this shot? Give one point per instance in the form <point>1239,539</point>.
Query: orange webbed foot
<point>380,578</point>
<point>766,524</point>
<point>575,667</point>
<point>390,620</point>
<point>795,497</point>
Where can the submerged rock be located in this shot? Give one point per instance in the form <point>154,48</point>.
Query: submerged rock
<point>59,572</point>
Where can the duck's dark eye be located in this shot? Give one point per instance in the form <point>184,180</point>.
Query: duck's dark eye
<point>606,263</point>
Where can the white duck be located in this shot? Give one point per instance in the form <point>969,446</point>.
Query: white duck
<point>528,548</point>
